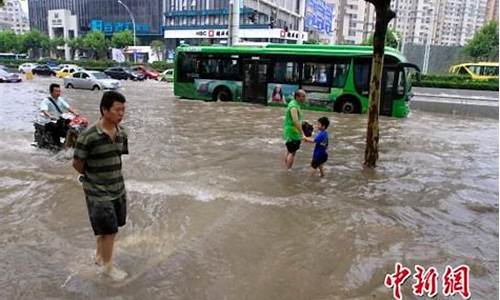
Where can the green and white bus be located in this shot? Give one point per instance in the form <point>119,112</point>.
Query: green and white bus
<point>336,78</point>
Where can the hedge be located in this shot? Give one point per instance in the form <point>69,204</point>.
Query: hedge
<point>455,82</point>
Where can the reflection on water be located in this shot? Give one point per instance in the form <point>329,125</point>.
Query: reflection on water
<point>214,215</point>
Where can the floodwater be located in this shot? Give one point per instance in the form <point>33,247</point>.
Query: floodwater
<point>214,215</point>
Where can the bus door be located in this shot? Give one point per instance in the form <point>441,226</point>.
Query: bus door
<point>255,80</point>
<point>388,90</point>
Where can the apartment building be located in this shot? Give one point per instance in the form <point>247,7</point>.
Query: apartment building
<point>13,17</point>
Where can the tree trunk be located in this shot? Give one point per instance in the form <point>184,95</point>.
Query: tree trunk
<point>383,17</point>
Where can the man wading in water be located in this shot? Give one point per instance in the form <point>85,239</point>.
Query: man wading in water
<point>292,127</point>
<point>98,157</point>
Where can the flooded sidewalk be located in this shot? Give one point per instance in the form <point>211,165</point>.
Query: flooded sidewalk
<point>213,214</point>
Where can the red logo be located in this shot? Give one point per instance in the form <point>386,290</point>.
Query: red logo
<point>210,33</point>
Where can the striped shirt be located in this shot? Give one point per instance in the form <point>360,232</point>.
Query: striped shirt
<point>103,180</point>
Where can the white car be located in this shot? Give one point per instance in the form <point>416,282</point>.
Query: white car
<point>91,80</point>
<point>27,67</point>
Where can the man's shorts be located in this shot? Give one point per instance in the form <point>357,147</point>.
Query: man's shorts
<point>292,146</point>
<point>315,163</point>
<point>106,216</point>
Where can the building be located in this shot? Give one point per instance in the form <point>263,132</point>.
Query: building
<point>13,17</point>
<point>492,10</point>
<point>103,15</point>
<point>439,22</point>
<point>319,20</point>
<point>197,22</point>
<point>61,23</point>
<point>355,21</point>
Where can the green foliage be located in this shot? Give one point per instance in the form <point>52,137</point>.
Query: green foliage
<point>161,65</point>
<point>484,44</point>
<point>455,82</point>
<point>9,42</point>
<point>56,42</point>
<point>96,43</point>
<point>158,48</point>
<point>122,39</point>
<point>35,41</point>
<point>392,39</point>
<point>77,43</point>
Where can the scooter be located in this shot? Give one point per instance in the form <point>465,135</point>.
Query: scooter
<point>58,134</point>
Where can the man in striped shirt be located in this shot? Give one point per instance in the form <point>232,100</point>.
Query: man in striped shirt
<point>97,157</point>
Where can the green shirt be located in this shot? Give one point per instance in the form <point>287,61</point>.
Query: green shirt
<point>290,132</point>
<point>103,180</point>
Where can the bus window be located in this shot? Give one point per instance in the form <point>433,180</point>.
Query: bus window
<point>362,78</point>
<point>491,71</point>
<point>230,69</point>
<point>210,67</point>
<point>286,72</point>
<point>462,71</point>
<point>188,67</point>
<point>316,73</point>
<point>340,71</point>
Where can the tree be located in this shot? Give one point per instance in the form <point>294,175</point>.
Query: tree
<point>484,43</point>
<point>392,39</point>
<point>56,42</point>
<point>35,41</point>
<point>9,42</point>
<point>76,44</point>
<point>96,42</point>
<point>158,48</point>
<point>122,39</point>
<point>384,15</point>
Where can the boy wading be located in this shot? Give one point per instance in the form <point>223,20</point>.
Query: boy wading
<point>98,157</point>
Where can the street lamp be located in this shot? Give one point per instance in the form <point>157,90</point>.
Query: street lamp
<point>133,24</point>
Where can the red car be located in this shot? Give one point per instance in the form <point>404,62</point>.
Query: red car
<point>147,72</point>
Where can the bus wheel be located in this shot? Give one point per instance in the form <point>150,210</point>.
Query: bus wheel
<point>348,106</point>
<point>222,94</point>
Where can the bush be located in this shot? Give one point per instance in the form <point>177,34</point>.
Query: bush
<point>161,65</point>
<point>455,82</point>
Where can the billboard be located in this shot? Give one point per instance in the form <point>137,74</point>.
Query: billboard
<point>319,16</point>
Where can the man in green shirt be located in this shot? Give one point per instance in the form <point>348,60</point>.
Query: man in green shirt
<point>292,127</point>
<point>97,157</point>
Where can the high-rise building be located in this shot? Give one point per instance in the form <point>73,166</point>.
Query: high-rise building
<point>439,22</point>
<point>354,22</point>
<point>492,10</point>
<point>104,15</point>
<point>13,17</point>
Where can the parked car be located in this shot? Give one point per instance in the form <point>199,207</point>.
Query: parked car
<point>91,80</point>
<point>67,71</point>
<point>123,73</point>
<point>9,77</point>
<point>147,72</point>
<point>167,75</point>
<point>43,70</point>
<point>26,67</point>
<point>2,67</point>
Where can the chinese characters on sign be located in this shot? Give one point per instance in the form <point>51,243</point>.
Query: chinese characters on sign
<point>110,27</point>
<point>454,281</point>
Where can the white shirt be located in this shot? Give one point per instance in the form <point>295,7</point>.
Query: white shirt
<point>49,107</point>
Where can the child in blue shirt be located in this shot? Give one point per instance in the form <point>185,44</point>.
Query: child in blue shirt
<point>321,140</point>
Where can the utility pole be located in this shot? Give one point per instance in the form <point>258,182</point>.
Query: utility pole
<point>427,53</point>
<point>234,22</point>
<point>302,13</point>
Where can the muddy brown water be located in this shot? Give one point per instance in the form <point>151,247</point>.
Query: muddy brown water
<point>214,215</point>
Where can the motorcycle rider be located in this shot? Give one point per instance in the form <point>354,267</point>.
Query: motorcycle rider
<point>52,109</point>
<point>54,106</point>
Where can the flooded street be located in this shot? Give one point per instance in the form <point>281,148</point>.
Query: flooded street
<point>213,214</point>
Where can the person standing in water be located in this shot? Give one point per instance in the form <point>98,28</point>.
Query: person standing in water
<point>97,157</point>
<point>292,127</point>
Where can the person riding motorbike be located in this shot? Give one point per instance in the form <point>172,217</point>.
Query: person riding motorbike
<point>57,117</point>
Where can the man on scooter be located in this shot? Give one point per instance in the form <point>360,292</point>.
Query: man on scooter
<point>52,108</point>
